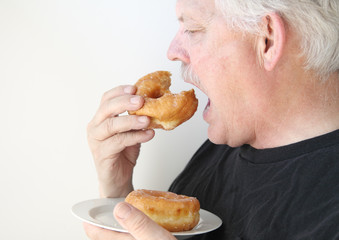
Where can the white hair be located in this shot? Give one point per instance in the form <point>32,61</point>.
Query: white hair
<point>317,22</point>
<point>188,74</point>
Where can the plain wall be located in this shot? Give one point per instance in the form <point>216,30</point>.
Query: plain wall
<point>57,58</point>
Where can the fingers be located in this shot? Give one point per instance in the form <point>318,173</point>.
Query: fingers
<point>116,96</point>
<point>120,141</point>
<point>138,224</point>
<point>114,125</point>
<point>97,233</point>
<point>115,140</point>
<point>114,102</point>
<point>118,91</point>
<point>117,105</point>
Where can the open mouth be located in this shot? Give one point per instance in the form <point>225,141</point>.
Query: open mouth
<point>206,109</point>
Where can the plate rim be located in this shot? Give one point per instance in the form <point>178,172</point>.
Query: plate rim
<point>97,202</point>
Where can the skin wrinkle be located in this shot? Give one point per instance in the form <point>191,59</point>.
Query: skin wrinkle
<point>250,102</point>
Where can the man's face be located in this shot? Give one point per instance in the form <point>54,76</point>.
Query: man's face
<point>226,64</point>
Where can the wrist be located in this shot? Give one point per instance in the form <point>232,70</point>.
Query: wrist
<point>112,191</point>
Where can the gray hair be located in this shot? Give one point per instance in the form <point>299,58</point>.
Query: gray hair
<point>317,22</point>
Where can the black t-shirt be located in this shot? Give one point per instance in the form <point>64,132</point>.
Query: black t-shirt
<point>284,193</point>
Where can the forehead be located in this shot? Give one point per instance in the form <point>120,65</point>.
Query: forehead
<point>195,9</point>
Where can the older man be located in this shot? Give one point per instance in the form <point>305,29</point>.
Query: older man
<point>270,168</point>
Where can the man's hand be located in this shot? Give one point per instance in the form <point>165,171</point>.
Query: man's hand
<point>115,139</point>
<point>138,225</point>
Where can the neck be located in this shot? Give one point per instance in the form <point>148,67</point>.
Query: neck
<point>299,109</point>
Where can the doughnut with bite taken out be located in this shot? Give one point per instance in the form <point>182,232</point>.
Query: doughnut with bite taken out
<point>166,110</point>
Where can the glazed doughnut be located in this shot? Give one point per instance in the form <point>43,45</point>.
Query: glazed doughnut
<point>165,109</point>
<point>173,212</point>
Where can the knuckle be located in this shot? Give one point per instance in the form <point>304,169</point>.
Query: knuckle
<point>120,139</point>
<point>91,139</point>
<point>110,126</point>
<point>126,139</point>
<point>89,130</point>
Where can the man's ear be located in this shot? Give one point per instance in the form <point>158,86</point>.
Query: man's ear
<point>272,41</point>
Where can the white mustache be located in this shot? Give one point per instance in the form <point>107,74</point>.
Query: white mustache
<point>188,74</point>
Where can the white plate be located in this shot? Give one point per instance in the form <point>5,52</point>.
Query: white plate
<point>99,212</point>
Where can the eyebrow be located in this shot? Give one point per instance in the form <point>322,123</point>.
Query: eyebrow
<point>182,18</point>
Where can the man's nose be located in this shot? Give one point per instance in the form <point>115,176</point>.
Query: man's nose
<point>176,50</point>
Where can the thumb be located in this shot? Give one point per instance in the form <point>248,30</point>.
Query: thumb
<point>140,226</point>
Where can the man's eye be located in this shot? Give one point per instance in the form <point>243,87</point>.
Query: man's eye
<point>190,32</point>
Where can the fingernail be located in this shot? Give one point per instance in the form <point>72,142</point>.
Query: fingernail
<point>142,119</point>
<point>123,210</point>
<point>135,100</point>
<point>128,89</point>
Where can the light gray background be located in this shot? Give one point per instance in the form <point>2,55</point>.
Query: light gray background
<point>57,58</point>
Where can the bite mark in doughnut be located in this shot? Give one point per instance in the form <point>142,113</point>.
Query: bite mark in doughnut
<point>173,212</point>
<point>166,110</point>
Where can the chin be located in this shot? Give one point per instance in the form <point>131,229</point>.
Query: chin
<point>221,137</point>
<point>216,137</point>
